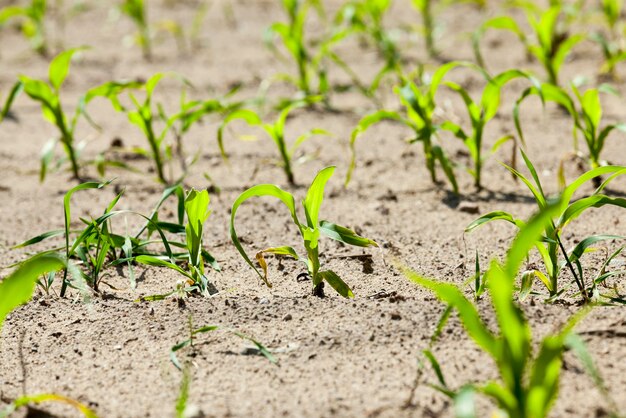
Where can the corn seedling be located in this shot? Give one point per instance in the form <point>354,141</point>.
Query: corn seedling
<point>310,233</point>
<point>425,9</point>
<point>32,23</point>
<point>293,36</point>
<point>97,246</point>
<point>145,115</point>
<point>418,101</point>
<point>276,131</point>
<point>366,17</point>
<point>27,400</point>
<point>48,94</point>
<point>566,211</point>
<point>612,43</point>
<point>480,113</point>
<point>197,210</point>
<point>586,115</point>
<point>136,11</point>
<point>552,42</point>
<point>528,382</point>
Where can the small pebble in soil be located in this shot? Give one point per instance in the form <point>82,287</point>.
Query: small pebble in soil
<point>287,317</point>
<point>395,316</point>
<point>264,301</point>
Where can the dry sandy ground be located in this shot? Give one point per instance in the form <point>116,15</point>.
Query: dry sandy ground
<point>337,357</point>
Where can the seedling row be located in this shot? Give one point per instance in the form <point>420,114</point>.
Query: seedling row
<point>539,265</point>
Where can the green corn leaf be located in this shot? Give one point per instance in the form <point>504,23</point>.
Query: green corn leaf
<point>39,238</point>
<point>577,345</point>
<point>159,262</point>
<point>18,287</point>
<point>505,399</point>
<point>527,284</point>
<point>336,283</point>
<point>345,235</point>
<point>584,245</point>
<point>544,380</point>
<point>306,136</point>
<point>492,216</point>
<point>315,195</point>
<point>450,294</point>
<point>259,191</point>
<point>436,367</point>
<point>595,201</point>
<point>60,66</point>
<point>364,124</point>
<point>48,397</point>
<point>197,208</point>
<point>248,116</point>
<point>490,100</point>
<point>564,49</point>
<point>15,91</point>
<point>262,349</point>
<point>527,238</point>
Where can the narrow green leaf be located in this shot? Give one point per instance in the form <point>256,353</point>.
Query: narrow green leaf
<point>345,235</point>
<point>17,288</point>
<point>315,195</point>
<point>336,283</point>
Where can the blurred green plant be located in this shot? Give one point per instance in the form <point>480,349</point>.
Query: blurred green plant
<point>276,131</point>
<point>528,381</point>
<point>136,11</point>
<point>27,400</point>
<point>552,43</point>
<point>32,23</point>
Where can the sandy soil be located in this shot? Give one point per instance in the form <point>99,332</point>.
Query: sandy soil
<point>337,357</point>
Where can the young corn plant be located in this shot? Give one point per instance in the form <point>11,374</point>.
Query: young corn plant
<point>418,101</point>
<point>276,131</point>
<point>428,27</point>
<point>97,247</point>
<point>48,94</point>
<point>365,17</point>
<point>310,232</point>
<point>480,113</point>
<point>552,43</point>
<point>611,43</point>
<point>293,36</point>
<point>197,210</point>
<point>136,11</point>
<point>586,116</point>
<point>32,23</point>
<point>550,244</point>
<point>147,116</point>
<point>528,380</point>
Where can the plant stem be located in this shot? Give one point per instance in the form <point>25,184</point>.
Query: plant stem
<point>579,283</point>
